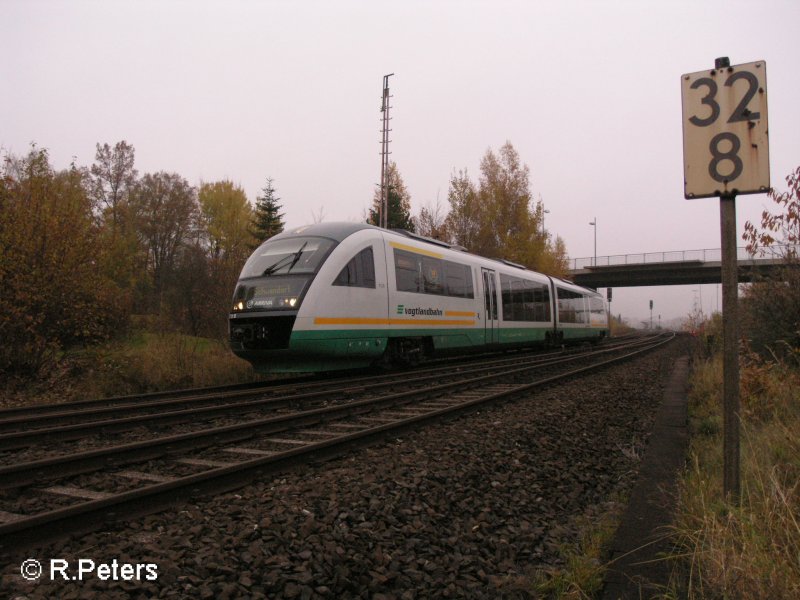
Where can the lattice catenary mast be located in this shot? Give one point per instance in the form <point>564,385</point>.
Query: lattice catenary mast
<point>383,213</point>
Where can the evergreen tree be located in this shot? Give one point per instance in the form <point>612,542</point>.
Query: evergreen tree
<point>267,221</point>
<point>399,203</point>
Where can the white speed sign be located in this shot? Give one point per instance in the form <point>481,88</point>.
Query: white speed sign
<point>725,135</point>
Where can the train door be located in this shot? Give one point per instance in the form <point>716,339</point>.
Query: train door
<point>491,323</point>
<point>553,337</point>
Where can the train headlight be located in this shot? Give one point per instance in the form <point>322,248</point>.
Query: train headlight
<point>238,306</point>
<point>292,302</point>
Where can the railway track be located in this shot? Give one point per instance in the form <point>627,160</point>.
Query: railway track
<point>77,491</point>
<point>28,415</point>
<point>20,427</point>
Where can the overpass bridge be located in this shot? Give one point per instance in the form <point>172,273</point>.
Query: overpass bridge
<point>680,267</point>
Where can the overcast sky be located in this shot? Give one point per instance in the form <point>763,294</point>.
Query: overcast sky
<point>587,92</point>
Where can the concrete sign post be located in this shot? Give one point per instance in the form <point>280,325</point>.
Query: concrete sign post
<point>726,153</point>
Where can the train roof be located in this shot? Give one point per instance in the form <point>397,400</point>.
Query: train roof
<point>339,231</point>
<point>334,231</point>
<point>567,284</point>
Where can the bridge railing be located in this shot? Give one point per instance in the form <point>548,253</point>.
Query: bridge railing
<point>776,251</point>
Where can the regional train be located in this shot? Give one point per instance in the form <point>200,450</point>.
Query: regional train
<point>347,295</point>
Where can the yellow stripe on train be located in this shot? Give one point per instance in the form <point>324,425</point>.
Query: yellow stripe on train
<point>367,321</point>
<point>415,250</point>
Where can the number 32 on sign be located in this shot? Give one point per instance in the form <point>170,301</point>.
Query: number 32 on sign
<point>725,135</point>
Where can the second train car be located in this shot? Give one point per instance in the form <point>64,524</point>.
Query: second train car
<point>347,295</point>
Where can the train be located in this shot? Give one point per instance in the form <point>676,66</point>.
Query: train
<point>332,296</point>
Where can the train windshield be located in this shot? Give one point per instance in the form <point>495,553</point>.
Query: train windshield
<point>295,255</point>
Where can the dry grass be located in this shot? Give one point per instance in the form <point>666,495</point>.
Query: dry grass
<point>145,362</point>
<point>173,361</point>
<point>585,565</point>
<point>751,550</point>
<point>580,576</point>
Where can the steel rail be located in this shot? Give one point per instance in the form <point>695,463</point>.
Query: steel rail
<point>83,462</point>
<point>20,439</point>
<point>30,414</point>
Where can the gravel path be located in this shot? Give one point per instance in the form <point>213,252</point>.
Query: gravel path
<point>463,509</point>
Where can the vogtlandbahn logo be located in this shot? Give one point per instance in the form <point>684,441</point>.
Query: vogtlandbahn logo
<point>414,312</point>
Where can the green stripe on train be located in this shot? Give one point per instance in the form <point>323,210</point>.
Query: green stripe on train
<point>372,342</point>
<point>319,350</point>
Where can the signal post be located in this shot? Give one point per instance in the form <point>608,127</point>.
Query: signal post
<point>725,154</point>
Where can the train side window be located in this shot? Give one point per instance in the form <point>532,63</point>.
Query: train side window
<point>458,280</point>
<point>517,299</point>
<point>469,291</point>
<point>583,312</point>
<point>566,306</point>
<point>407,271</point>
<point>528,310</point>
<point>518,310</point>
<point>577,303</point>
<point>541,299</point>
<point>529,301</point>
<point>359,272</point>
<point>506,294</point>
<point>433,276</point>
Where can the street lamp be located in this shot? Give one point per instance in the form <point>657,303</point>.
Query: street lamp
<point>544,212</point>
<point>594,224</point>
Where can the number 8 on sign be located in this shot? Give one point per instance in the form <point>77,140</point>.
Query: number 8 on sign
<point>732,156</point>
<point>725,135</point>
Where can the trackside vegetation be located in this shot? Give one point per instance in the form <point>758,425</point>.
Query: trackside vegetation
<point>138,363</point>
<point>94,256</point>
<point>750,549</point>
<point>724,550</point>
<point>84,252</point>
<point>585,564</point>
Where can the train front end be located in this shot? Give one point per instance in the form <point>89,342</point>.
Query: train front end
<point>268,297</point>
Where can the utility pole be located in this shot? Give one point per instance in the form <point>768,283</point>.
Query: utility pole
<point>383,213</point>
<point>544,212</point>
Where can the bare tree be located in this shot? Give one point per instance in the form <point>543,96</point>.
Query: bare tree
<point>318,216</point>
<point>432,221</point>
<point>168,213</point>
<point>496,219</point>
<point>504,200</point>
<point>113,177</point>
<point>463,222</point>
<point>771,306</point>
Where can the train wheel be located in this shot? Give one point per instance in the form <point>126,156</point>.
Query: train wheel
<point>407,352</point>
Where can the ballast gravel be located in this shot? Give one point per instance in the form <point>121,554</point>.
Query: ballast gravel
<point>469,508</point>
